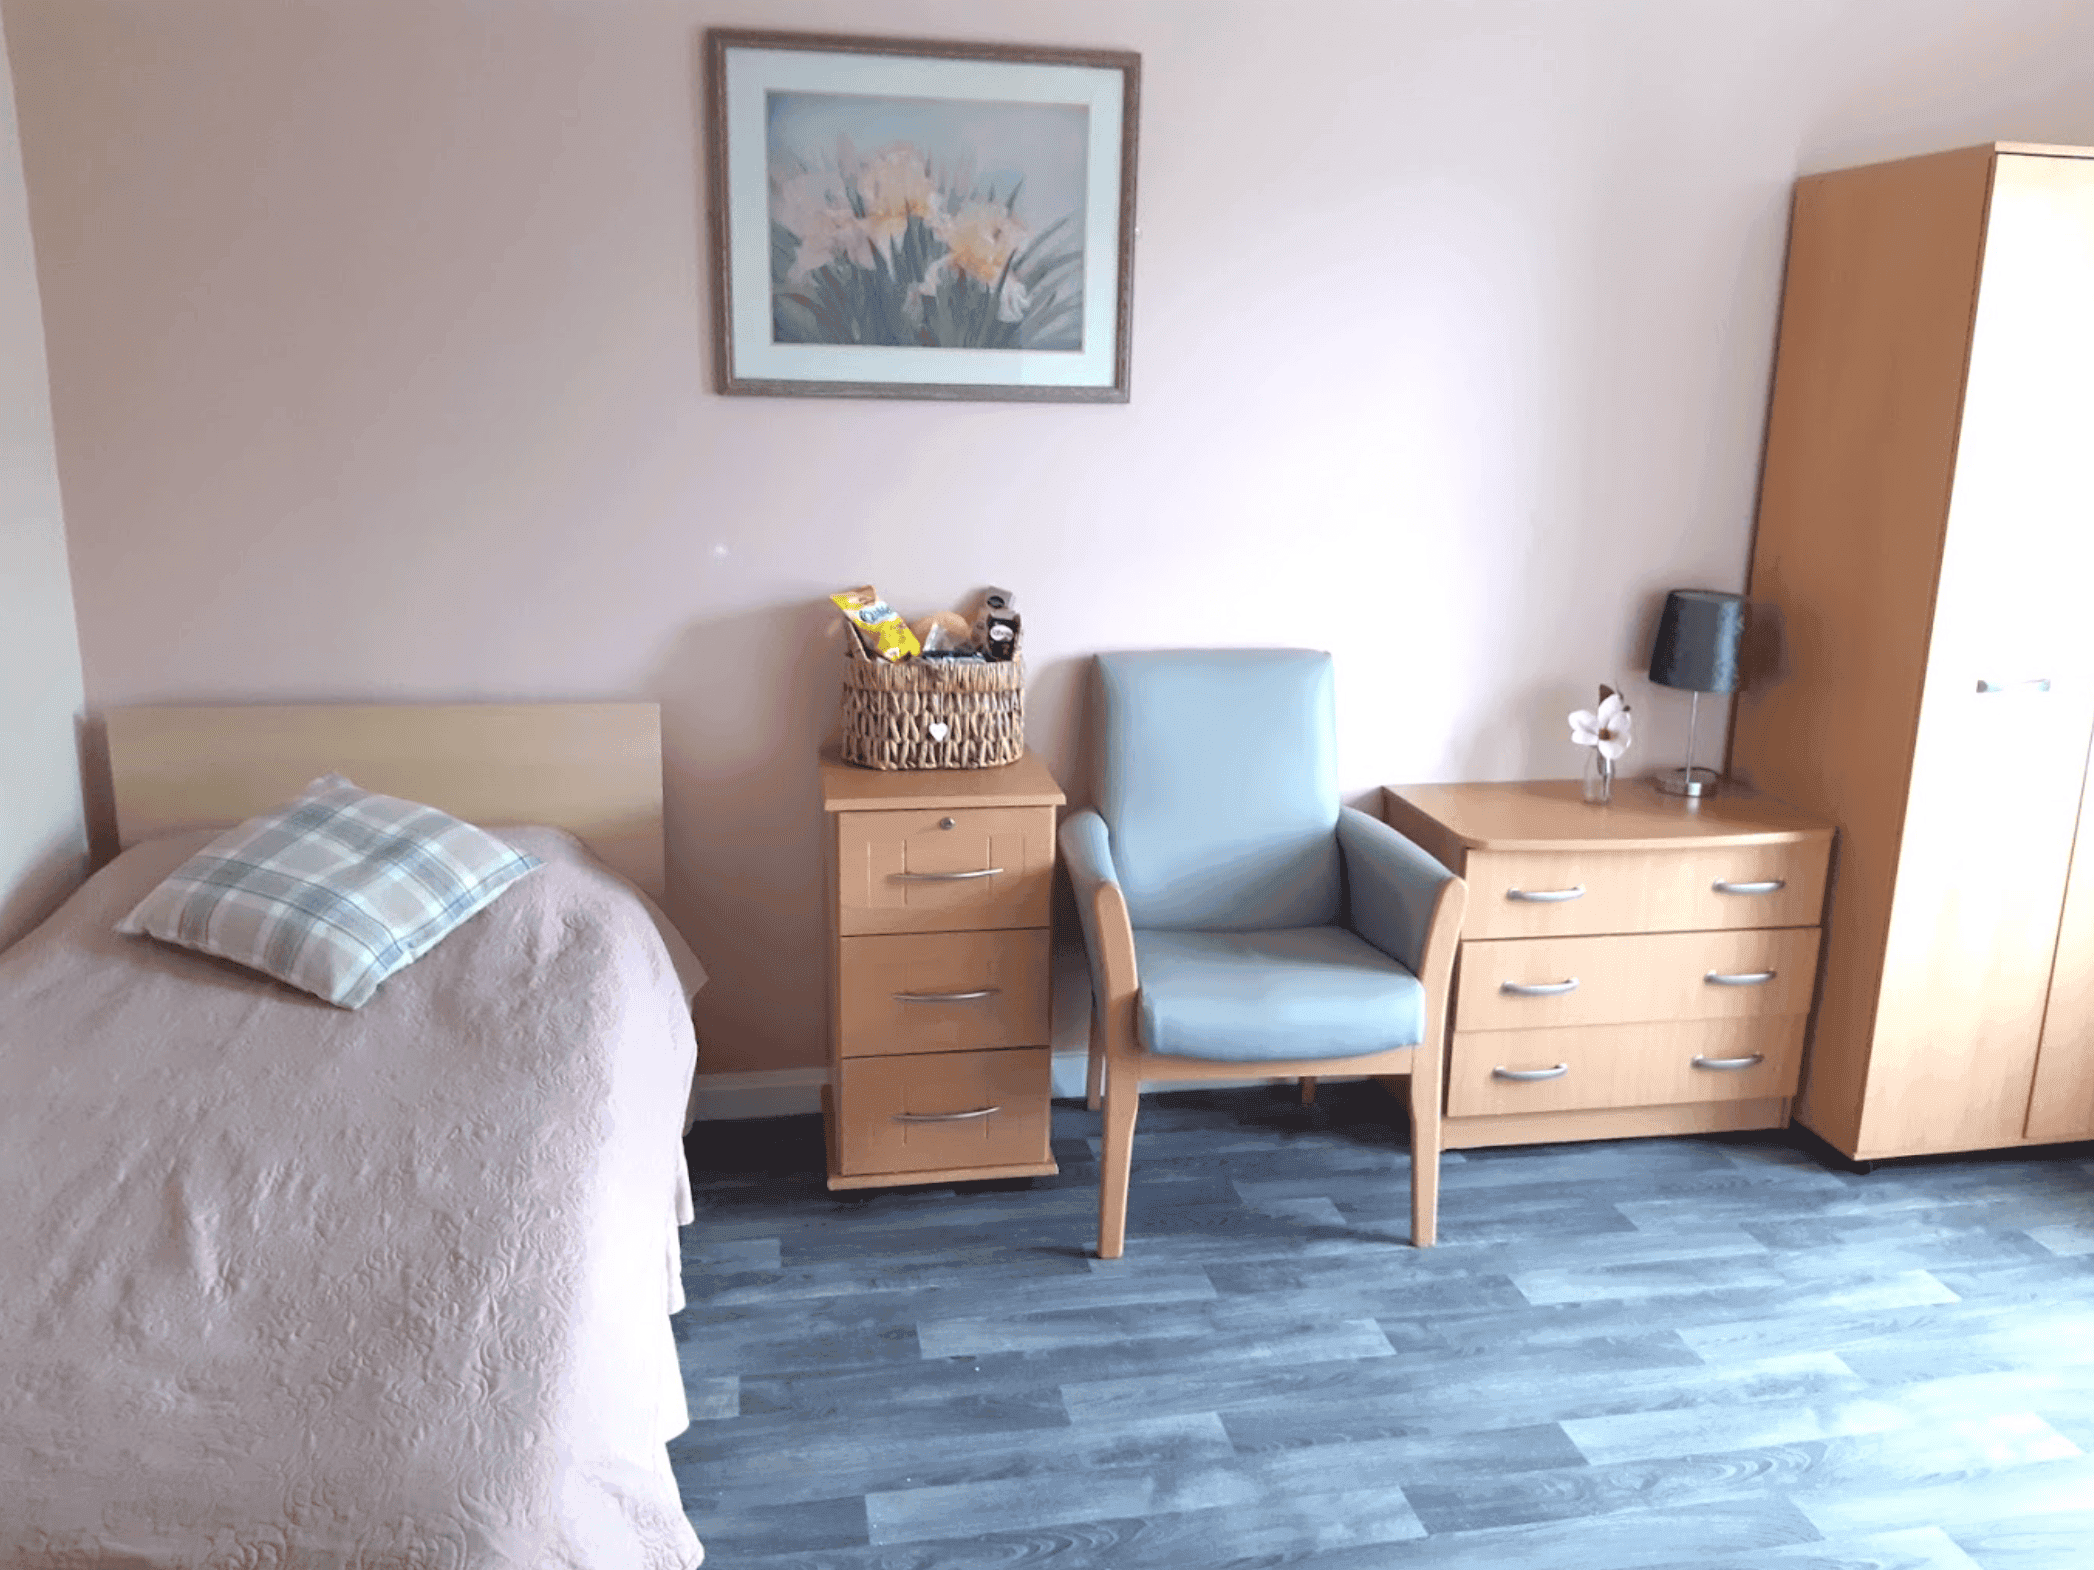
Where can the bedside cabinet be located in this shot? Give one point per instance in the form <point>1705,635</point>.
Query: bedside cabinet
<point>939,885</point>
<point>1645,967</point>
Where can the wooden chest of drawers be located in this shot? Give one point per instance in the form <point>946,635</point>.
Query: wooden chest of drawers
<point>1645,967</point>
<point>938,887</point>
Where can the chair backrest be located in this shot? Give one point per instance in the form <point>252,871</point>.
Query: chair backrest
<point>1218,779</point>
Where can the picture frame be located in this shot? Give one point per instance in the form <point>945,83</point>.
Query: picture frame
<point>913,218</point>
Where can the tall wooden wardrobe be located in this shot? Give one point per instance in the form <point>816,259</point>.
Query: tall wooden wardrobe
<point>1923,595</point>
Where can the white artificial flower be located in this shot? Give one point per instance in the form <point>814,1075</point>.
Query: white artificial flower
<point>1606,728</point>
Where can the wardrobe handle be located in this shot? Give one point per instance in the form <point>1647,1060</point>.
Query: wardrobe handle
<point>1764,886</point>
<point>1539,989</point>
<point>1557,1072</point>
<point>945,1117</point>
<point>946,997</point>
<point>2033,684</point>
<point>1756,1058</point>
<point>1546,896</point>
<point>944,877</point>
<point>1738,978</point>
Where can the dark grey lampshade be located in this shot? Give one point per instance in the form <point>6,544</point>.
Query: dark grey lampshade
<point>1697,647</point>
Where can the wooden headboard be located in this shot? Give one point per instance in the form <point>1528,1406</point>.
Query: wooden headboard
<point>594,769</point>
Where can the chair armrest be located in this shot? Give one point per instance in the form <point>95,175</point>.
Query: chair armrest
<point>1108,935</point>
<point>1397,894</point>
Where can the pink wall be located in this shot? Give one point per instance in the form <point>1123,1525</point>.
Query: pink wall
<point>379,365</point>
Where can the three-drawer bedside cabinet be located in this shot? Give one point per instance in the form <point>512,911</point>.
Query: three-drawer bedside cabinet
<point>939,886</point>
<point>1642,967</point>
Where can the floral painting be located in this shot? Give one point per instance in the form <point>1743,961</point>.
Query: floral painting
<point>960,227</point>
<point>920,219</point>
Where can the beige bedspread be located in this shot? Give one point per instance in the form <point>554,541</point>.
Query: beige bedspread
<point>285,1286</point>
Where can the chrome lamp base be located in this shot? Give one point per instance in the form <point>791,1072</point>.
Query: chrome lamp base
<point>1690,781</point>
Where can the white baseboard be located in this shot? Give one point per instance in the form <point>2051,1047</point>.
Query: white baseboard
<point>766,1093</point>
<point>1069,1070</point>
<point>1071,1067</point>
<point>789,1092</point>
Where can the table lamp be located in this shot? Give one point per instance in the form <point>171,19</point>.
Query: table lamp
<point>1697,650</point>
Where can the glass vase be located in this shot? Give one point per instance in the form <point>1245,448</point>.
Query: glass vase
<point>1599,778</point>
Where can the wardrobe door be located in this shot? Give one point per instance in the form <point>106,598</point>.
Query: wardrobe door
<point>1868,392</point>
<point>2001,747</point>
<point>2062,1104</point>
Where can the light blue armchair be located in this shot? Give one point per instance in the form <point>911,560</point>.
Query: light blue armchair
<point>1241,924</point>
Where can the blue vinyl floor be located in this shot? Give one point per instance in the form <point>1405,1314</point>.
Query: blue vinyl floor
<point>1714,1353</point>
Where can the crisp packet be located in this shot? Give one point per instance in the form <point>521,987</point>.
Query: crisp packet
<point>878,625</point>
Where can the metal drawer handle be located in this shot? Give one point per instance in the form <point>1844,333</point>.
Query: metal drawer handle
<point>1764,886</point>
<point>1539,989</point>
<point>2033,684</point>
<point>1557,1072</point>
<point>944,877</point>
<point>1743,978</point>
<point>1756,1058</point>
<point>946,997</point>
<point>945,1117</point>
<point>1546,896</point>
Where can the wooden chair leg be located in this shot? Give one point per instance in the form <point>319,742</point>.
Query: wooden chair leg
<point>1094,1071</point>
<point>1308,1090</point>
<point>1122,1100</point>
<point>1425,1154</point>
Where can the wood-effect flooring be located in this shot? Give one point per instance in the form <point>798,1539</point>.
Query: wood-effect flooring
<point>1715,1353</point>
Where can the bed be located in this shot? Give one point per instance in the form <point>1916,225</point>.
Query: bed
<point>289,1285</point>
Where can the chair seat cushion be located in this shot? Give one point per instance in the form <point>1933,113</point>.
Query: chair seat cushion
<point>1249,997</point>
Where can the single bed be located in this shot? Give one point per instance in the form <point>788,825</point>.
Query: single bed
<point>289,1285</point>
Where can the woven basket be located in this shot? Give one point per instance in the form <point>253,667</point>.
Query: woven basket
<point>931,714</point>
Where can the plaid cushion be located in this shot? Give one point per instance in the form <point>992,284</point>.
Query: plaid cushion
<point>333,892</point>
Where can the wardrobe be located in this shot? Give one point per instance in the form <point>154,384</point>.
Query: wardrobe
<point>1921,665</point>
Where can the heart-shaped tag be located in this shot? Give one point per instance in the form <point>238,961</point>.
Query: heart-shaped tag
<point>939,730</point>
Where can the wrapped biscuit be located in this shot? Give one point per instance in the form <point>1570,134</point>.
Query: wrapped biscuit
<point>878,625</point>
<point>943,632</point>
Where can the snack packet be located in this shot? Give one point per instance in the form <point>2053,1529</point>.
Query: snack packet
<point>878,625</point>
<point>996,625</point>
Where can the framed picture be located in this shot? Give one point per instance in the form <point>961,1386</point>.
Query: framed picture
<point>901,218</point>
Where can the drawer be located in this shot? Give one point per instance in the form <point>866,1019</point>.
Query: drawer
<point>927,1112</point>
<point>943,871</point>
<point>1531,894</point>
<point>942,992</point>
<point>1645,976</point>
<point>1642,1065</point>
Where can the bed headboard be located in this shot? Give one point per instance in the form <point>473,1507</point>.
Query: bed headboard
<point>594,769</point>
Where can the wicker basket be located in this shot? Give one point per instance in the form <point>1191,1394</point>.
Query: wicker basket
<point>931,714</point>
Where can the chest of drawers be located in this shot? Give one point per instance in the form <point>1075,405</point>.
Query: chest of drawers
<point>1644,967</point>
<point>938,886</point>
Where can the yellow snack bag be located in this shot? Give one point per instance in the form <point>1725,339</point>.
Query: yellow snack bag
<point>878,625</point>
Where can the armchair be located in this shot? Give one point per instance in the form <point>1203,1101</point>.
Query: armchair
<point>1240,923</point>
